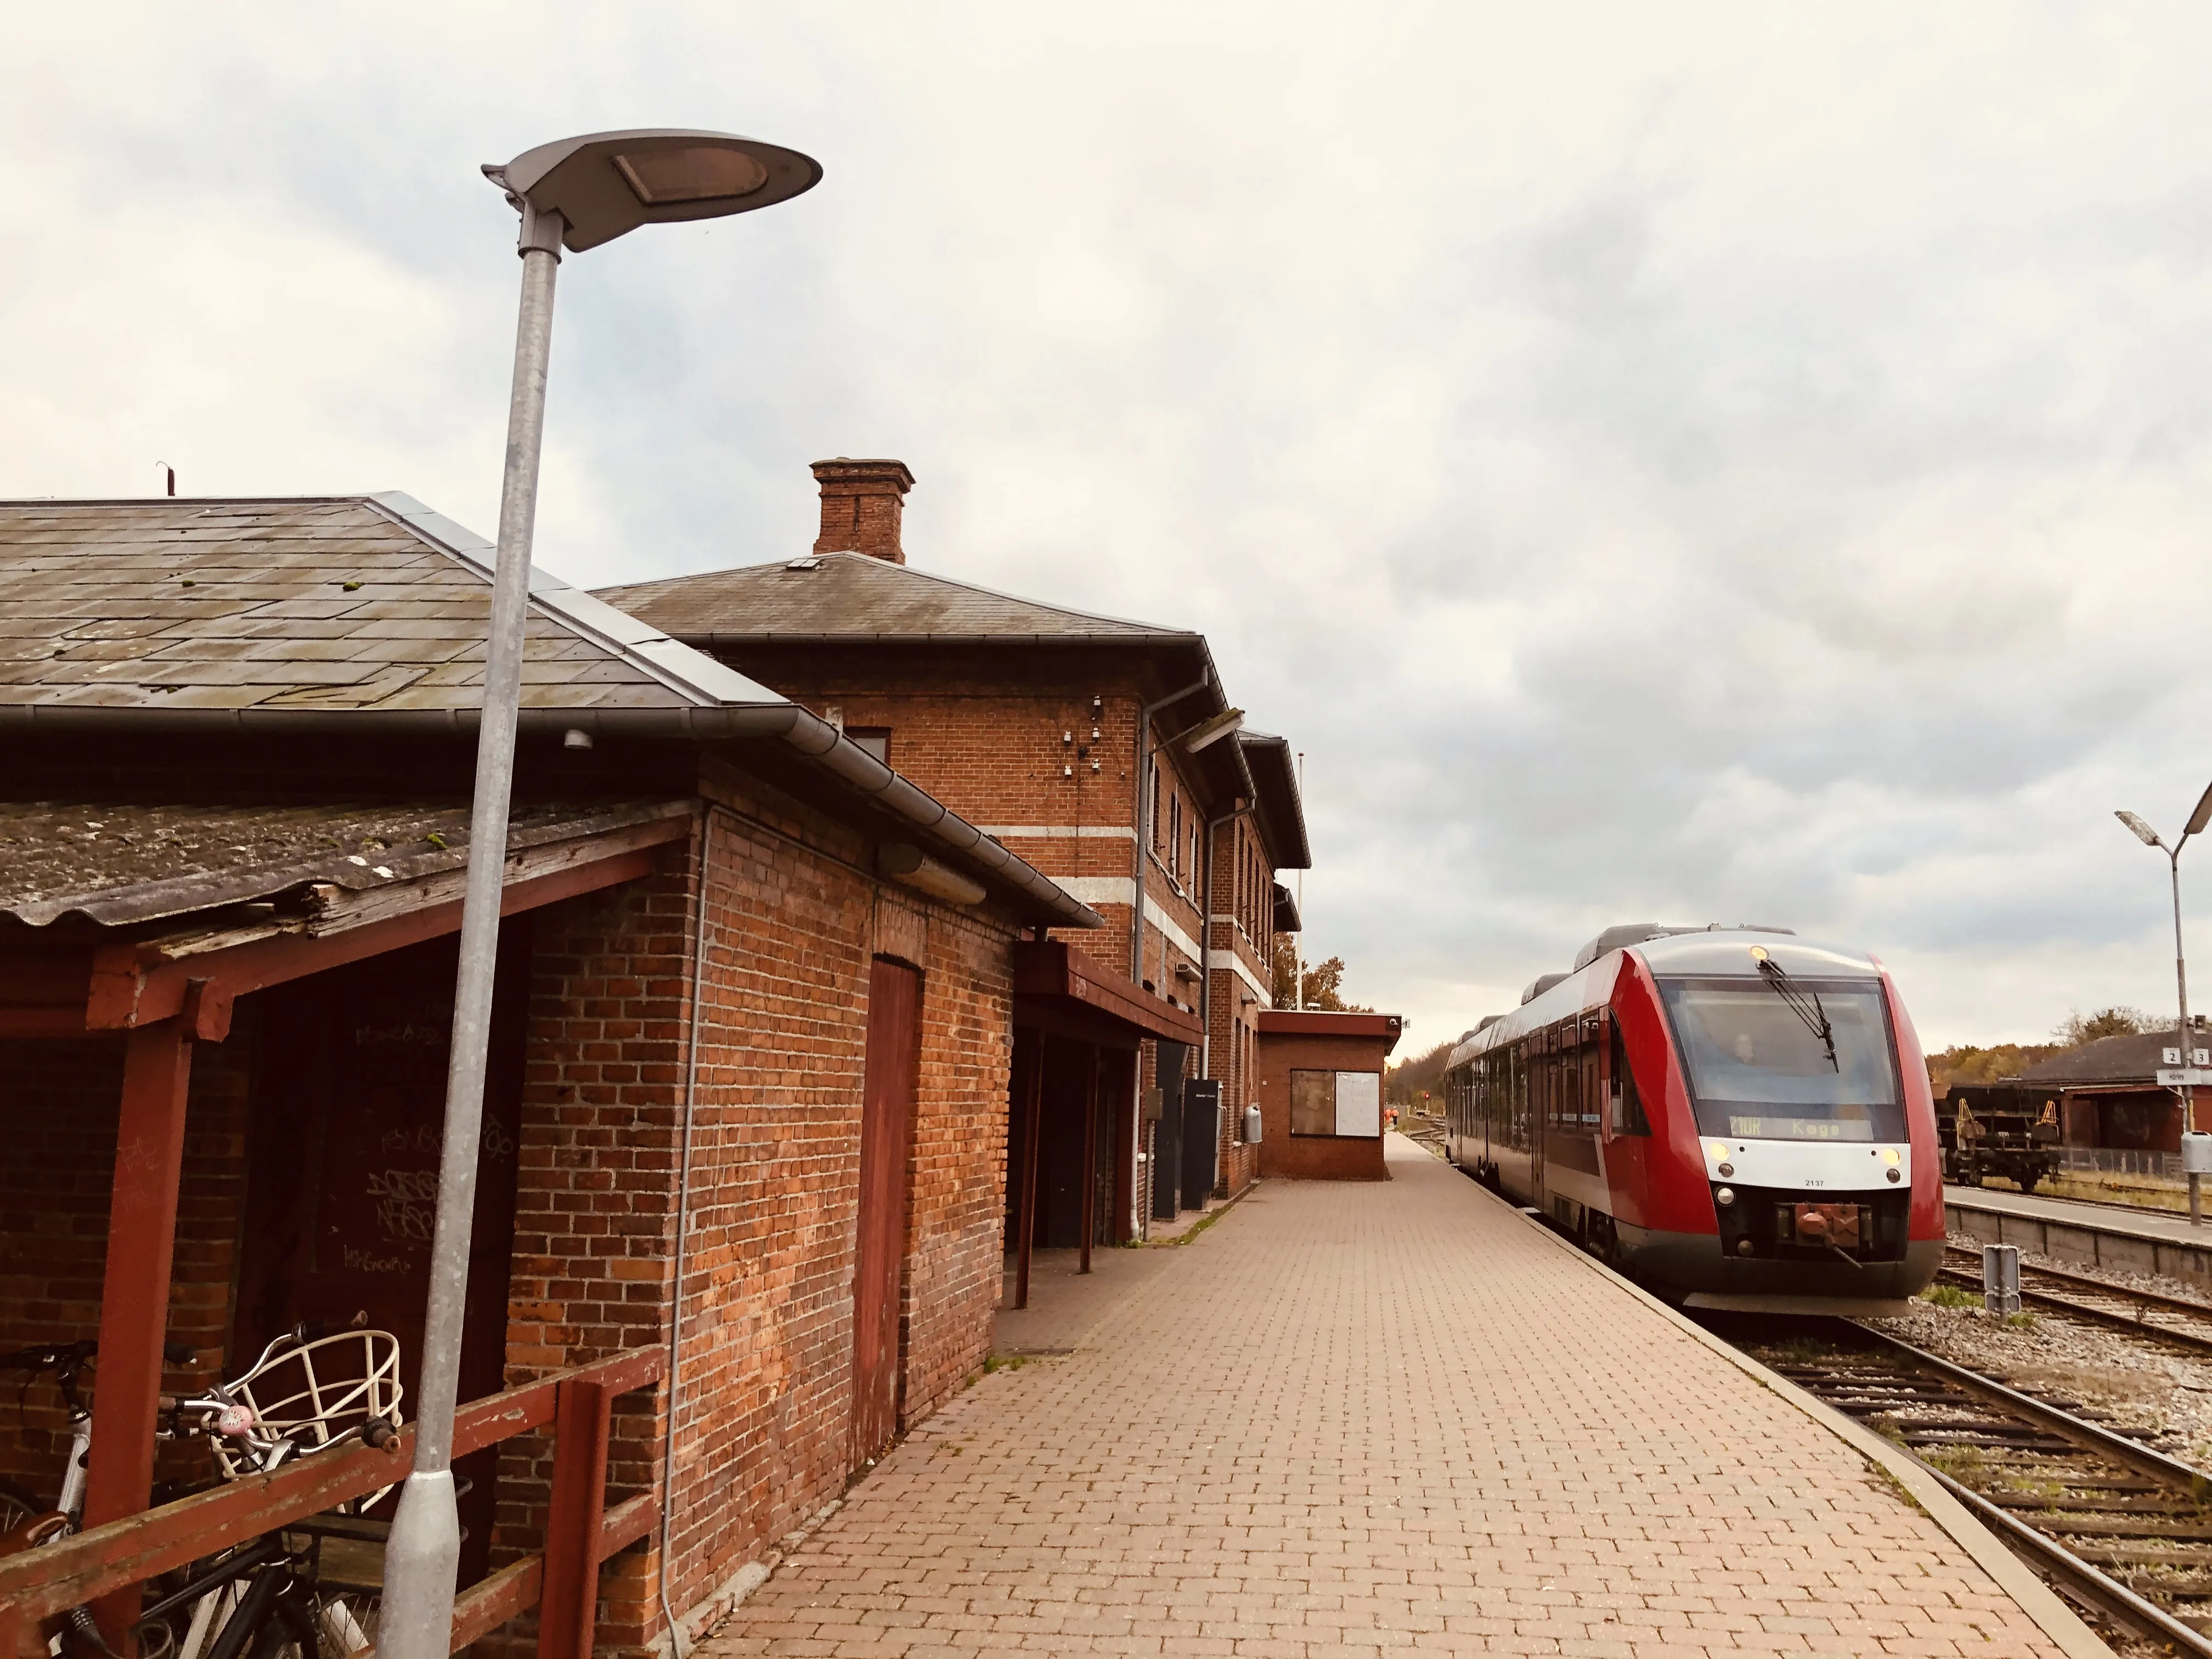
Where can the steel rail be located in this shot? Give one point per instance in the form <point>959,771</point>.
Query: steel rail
<point>2086,1583</point>
<point>2120,1448</point>
<point>2108,1316</point>
<point>2135,1325</point>
<point>2152,1299</point>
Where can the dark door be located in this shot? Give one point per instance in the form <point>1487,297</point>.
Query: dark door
<point>1167,1136</point>
<point>1202,1140</point>
<point>347,1116</point>
<point>886,1140</point>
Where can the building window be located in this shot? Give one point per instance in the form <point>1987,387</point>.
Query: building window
<point>874,740</point>
<point>1156,803</point>
<point>1337,1103</point>
<point>1175,835</point>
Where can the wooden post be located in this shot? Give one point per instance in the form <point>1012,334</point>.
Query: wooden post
<point>134,1300</point>
<point>1033,1118</point>
<point>568,1609</point>
<point>1089,1155</point>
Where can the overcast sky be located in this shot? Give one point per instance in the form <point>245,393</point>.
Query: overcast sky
<point>1687,463</point>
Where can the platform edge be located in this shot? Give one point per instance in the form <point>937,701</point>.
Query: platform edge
<point>2042,1604</point>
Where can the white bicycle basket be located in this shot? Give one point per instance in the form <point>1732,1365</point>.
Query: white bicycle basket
<point>310,1395</point>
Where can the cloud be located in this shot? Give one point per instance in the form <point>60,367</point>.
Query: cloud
<point>1710,462</point>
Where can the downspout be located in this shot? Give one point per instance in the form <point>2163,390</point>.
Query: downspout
<point>1205,935</point>
<point>1145,714</point>
<point>683,1222</point>
<point>1205,954</point>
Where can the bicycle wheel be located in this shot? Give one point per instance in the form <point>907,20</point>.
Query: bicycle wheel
<point>17,1506</point>
<point>347,1623</point>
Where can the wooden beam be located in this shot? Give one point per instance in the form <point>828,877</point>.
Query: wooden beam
<point>1033,1128</point>
<point>134,1299</point>
<point>1089,1155</point>
<point>134,984</point>
<point>67,1574</point>
<point>568,1613</point>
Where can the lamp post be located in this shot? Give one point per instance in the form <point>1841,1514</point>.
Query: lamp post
<point>2149,838</point>
<point>577,193</point>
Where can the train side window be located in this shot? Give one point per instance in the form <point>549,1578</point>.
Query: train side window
<point>1628,1118</point>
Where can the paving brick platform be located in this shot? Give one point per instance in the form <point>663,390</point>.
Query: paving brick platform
<point>1357,1417</point>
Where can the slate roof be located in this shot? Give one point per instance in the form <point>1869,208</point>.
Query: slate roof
<point>352,603</point>
<point>2131,1059</point>
<point>854,597</point>
<point>117,863</point>
<point>370,610</point>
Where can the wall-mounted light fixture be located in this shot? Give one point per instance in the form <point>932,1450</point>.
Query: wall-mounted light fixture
<point>903,862</point>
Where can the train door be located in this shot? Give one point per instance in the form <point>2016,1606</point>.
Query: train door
<point>1544,1112</point>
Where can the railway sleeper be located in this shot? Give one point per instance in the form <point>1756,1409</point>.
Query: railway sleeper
<point>2114,1526</point>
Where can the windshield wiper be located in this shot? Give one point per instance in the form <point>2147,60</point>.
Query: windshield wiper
<point>1805,1003</point>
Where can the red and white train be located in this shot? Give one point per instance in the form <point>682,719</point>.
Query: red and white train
<point>1738,1118</point>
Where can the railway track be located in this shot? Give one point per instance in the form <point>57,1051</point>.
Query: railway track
<point>2123,1529</point>
<point>2173,1320</point>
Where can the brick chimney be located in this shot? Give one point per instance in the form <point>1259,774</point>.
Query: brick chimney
<point>861,505</point>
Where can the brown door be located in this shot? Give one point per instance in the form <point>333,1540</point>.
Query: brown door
<point>886,1138</point>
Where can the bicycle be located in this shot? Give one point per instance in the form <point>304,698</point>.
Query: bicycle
<point>310,1390</point>
<point>19,1509</point>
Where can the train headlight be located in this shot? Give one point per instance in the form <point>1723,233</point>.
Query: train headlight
<point>1896,1175</point>
<point>1889,1156</point>
<point>1728,1169</point>
<point>1724,1196</point>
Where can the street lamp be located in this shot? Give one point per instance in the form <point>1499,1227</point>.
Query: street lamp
<point>2148,836</point>
<point>577,192</point>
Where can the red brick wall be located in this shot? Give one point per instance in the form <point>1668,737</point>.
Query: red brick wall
<point>793,923</point>
<point>1008,744</point>
<point>59,1101</point>
<point>1286,1157</point>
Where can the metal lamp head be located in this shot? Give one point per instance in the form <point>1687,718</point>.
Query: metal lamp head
<point>2202,815</point>
<point>2144,832</point>
<point>603,184</point>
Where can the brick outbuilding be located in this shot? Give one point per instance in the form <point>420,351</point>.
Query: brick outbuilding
<point>1106,751</point>
<point>1321,1093</point>
<point>753,1037</point>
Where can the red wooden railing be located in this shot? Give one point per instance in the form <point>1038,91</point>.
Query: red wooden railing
<point>582,1530</point>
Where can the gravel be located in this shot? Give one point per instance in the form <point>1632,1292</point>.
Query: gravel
<point>2140,1387</point>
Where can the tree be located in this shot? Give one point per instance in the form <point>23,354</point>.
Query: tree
<point>1963,1063</point>
<point>1422,1074</point>
<point>1323,982</point>
<point>2080,1028</point>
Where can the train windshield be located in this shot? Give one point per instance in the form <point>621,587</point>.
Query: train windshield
<point>1758,1071</point>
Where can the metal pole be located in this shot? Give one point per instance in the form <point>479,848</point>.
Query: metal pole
<point>422,1559</point>
<point>2187,1053</point>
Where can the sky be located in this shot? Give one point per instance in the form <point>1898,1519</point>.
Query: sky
<point>1690,463</point>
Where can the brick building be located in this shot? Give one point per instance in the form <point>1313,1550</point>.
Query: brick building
<point>2109,1093</point>
<point>1321,1093</point>
<point>1105,751</point>
<point>752,1038</point>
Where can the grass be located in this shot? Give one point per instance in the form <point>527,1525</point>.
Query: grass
<point>1004,1362</point>
<point>2021,1321</point>
<point>1962,1463</point>
<point>1950,1295</point>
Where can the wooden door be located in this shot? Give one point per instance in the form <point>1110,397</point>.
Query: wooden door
<point>886,1140</point>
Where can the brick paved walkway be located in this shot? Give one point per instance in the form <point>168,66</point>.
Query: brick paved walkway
<point>1357,1417</point>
